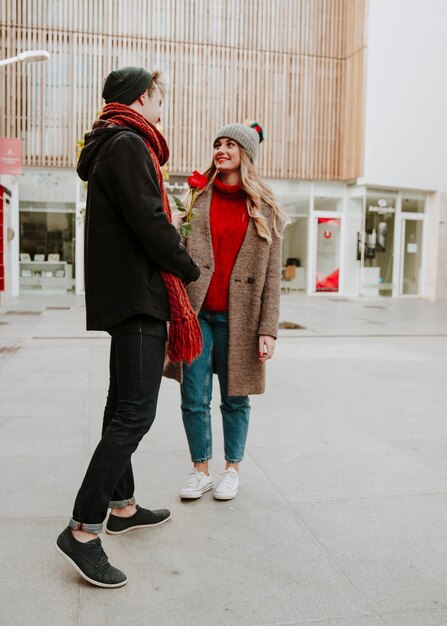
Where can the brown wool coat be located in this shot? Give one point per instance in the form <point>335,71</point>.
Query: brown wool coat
<point>253,307</point>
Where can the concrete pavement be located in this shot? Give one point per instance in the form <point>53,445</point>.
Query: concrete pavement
<point>341,519</point>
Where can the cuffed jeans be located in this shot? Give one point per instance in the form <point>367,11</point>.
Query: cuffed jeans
<point>196,391</point>
<point>136,366</point>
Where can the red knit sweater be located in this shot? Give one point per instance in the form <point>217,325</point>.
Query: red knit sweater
<point>228,222</point>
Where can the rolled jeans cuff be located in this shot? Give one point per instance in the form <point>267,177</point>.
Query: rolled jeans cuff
<point>120,504</point>
<point>234,461</point>
<point>87,528</point>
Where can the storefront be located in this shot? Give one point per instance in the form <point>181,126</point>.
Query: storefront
<point>353,241</point>
<point>343,240</point>
<point>390,242</point>
<point>47,231</point>
<point>47,244</point>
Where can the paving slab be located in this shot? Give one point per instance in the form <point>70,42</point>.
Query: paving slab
<point>393,550</point>
<point>35,589</point>
<point>423,617</point>
<point>329,471</point>
<point>364,620</point>
<point>241,560</point>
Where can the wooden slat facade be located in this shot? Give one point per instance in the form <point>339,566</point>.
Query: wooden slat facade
<point>297,66</point>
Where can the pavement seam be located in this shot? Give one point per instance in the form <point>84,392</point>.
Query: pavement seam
<point>384,497</point>
<point>325,619</point>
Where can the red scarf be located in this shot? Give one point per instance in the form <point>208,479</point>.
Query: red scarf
<point>185,338</point>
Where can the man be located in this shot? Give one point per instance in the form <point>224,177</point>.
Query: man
<point>134,268</point>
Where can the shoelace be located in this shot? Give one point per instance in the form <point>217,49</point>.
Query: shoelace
<point>99,557</point>
<point>193,480</point>
<point>228,480</point>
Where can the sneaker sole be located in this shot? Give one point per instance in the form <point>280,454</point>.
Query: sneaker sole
<point>126,530</point>
<point>84,576</point>
<point>195,495</point>
<point>225,496</point>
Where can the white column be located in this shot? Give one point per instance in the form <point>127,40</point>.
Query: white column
<point>435,278</point>
<point>79,235</point>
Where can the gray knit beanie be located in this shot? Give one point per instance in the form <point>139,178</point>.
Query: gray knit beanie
<point>249,137</point>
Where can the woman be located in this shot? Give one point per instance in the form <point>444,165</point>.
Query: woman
<point>236,240</point>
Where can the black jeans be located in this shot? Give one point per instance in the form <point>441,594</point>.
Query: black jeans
<point>136,365</point>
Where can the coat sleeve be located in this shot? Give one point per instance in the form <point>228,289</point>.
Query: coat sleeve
<point>137,196</point>
<point>268,322</point>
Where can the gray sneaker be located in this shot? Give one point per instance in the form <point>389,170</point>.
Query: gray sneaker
<point>89,560</point>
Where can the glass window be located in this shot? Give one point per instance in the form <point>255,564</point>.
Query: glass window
<point>48,232</point>
<point>293,206</point>
<point>295,243</point>
<point>328,204</point>
<point>413,205</point>
<point>328,196</point>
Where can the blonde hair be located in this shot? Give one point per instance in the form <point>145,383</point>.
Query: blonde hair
<point>258,192</point>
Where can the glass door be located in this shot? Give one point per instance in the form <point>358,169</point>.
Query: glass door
<point>295,244</point>
<point>411,255</point>
<point>376,244</point>
<point>327,254</point>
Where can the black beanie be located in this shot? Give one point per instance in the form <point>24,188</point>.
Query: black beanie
<point>125,85</point>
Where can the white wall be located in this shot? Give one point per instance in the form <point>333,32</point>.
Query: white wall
<point>406,94</point>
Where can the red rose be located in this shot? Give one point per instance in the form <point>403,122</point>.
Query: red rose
<point>197,181</point>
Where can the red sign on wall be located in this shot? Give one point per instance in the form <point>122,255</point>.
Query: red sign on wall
<point>10,156</point>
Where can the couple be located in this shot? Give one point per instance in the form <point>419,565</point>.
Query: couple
<point>136,271</point>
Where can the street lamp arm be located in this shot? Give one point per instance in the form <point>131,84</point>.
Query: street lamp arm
<point>8,61</point>
<point>27,55</point>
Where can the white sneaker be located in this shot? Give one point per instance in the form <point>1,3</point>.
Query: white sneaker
<point>197,484</point>
<point>229,485</point>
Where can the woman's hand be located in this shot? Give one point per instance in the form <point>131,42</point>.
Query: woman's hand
<point>266,348</point>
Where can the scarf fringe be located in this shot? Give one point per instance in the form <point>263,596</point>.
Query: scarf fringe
<point>185,340</point>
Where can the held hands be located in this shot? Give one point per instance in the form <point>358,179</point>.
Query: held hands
<point>266,348</point>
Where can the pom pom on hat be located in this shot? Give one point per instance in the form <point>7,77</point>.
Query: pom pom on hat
<point>258,128</point>
<point>248,135</point>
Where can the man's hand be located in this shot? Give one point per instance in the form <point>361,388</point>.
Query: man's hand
<point>266,348</point>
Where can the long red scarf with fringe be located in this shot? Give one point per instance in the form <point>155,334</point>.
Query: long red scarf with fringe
<point>185,337</point>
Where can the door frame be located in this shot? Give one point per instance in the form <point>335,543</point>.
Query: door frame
<point>400,245</point>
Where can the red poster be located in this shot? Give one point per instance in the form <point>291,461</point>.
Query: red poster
<point>10,156</point>
<point>328,254</point>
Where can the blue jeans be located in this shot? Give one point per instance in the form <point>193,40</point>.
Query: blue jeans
<point>136,365</point>
<point>196,391</point>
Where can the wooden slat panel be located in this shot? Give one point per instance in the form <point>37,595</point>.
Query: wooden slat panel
<point>297,66</point>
